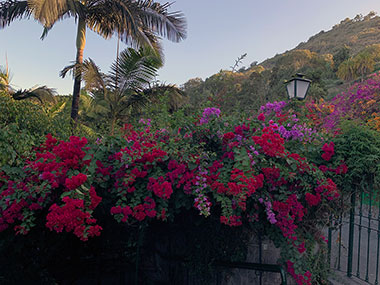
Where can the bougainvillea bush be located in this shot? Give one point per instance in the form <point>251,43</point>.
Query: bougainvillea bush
<point>351,120</point>
<point>360,103</point>
<point>243,174</point>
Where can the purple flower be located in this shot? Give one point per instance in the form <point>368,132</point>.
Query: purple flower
<point>270,215</point>
<point>273,107</point>
<point>145,122</point>
<point>208,113</point>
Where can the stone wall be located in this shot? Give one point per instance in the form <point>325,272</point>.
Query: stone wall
<point>270,254</point>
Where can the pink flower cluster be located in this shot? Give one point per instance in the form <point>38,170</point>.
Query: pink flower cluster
<point>52,170</point>
<point>328,151</point>
<point>72,216</point>
<point>208,114</point>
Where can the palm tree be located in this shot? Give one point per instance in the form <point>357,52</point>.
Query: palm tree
<point>347,70</point>
<point>123,91</point>
<point>364,63</point>
<point>138,22</point>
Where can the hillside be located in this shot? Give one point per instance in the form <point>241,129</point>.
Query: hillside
<point>356,34</point>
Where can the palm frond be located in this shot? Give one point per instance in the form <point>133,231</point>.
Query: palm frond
<point>134,69</point>
<point>154,48</point>
<point>69,69</point>
<point>99,103</point>
<point>12,10</point>
<point>87,130</point>
<point>138,23</point>
<point>56,109</point>
<point>155,16</point>
<point>107,17</point>
<point>45,32</point>
<point>111,17</point>
<point>92,76</point>
<point>94,79</point>
<point>48,12</point>
<point>137,101</point>
<point>42,94</point>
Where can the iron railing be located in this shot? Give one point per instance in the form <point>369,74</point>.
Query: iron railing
<point>354,244</point>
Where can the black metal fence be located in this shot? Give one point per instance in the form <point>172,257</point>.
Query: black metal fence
<point>354,241</point>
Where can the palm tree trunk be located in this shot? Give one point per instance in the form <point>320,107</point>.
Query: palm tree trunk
<point>117,60</point>
<point>81,42</point>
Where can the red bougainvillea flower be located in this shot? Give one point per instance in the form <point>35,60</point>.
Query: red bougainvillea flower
<point>304,279</point>
<point>323,168</point>
<point>328,151</point>
<point>72,216</point>
<point>240,130</point>
<point>341,169</point>
<point>261,117</point>
<point>271,143</point>
<point>124,212</point>
<point>75,181</point>
<point>160,187</point>
<point>231,221</point>
<point>328,189</point>
<point>228,136</point>
<point>313,200</point>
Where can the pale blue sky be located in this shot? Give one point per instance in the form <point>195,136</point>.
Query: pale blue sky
<point>218,32</point>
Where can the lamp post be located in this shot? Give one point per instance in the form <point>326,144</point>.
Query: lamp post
<point>298,86</point>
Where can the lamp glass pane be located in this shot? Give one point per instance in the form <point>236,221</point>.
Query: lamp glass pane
<point>302,87</point>
<point>290,88</point>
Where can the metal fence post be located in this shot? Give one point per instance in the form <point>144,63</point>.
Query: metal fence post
<point>329,237</point>
<point>351,233</point>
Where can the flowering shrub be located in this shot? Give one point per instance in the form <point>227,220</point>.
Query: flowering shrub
<point>352,157</point>
<point>352,120</point>
<point>53,169</point>
<point>359,102</point>
<point>245,173</point>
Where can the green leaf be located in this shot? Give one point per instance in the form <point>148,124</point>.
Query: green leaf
<point>65,194</point>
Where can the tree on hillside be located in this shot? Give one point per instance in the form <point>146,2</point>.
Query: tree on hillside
<point>364,63</point>
<point>346,70</point>
<point>341,55</point>
<point>370,15</point>
<point>358,18</point>
<point>360,65</point>
<point>138,22</point>
<point>195,90</point>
